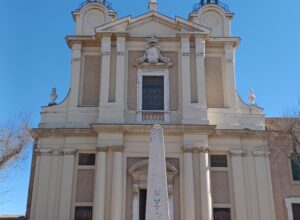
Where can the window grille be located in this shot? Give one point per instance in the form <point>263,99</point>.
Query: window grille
<point>221,214</point>
<point>83,213</point>
<point>87,159</point>
<point>295,163</point>
<point>153,93</point>
<point>218,161</point>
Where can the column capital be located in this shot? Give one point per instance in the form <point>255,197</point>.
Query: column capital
<point>110,148</point>
<point>229,53</point>
<point>106,45</point>
<point>43,152</point>
<point>121,42</point>
<point>204,150</point>
<point>187,149</point>
<point>200,46</point>
<point>261,153</point>
<point>69,151</point>
<point>185,46</point>
<point>237,153</point>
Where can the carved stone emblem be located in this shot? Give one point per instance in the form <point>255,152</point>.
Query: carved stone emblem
<point>152,54</point>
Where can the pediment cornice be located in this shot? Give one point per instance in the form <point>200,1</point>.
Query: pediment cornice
<point>178,24</point>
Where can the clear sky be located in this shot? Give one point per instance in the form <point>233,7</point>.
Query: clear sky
<point>34,58</point>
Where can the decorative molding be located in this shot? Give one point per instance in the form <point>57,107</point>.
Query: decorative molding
<point>106,46</point>
<point>186,149</point>
<point>110,148</point>
<point>200,47</point>
<point>152,54</point>
<point>69,151</point>
<point>121,45</point>
<point>261,153</point>
<point>185,48</point>
<point>237,153</point>
<point>152,72</point>
<point>43,152</point>
<point>229,54</point>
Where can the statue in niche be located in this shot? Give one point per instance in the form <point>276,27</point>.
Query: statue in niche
<point>152,54</point>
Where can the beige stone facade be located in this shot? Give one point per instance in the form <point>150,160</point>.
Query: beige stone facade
<point>91,152</point>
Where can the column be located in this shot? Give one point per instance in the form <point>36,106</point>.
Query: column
<point>264,185</point>
<point>135,203</point>
<point>188,184</point>
<point>66,184</point>
<point>117,195</point>
<point>100,185</point>
<point>75,75</point>
<point>200,69</point>
<point>206,199</point>
<point>230,76</point>
<point>186,72</point>
<point>239,184</point>
<point>104,110</point>
<point>120,70</point>
<point>41,202</point>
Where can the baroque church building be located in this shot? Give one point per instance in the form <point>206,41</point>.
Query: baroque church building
<point>91,150</point>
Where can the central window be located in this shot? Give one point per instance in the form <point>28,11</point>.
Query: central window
<point>153,93</point>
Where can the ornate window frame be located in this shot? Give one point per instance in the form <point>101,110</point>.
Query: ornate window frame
<point>141,72</point>
<point>288,204</point>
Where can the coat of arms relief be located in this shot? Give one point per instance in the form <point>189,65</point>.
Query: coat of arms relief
<point>152,54</point>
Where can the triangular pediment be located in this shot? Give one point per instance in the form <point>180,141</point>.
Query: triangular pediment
<point>153,22</point>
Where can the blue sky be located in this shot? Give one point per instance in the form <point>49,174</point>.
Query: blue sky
<point>34,58</point>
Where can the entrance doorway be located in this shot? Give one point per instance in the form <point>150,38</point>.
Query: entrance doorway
<point>143,201</point>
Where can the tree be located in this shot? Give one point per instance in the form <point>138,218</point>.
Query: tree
<point>289,124</point>
<point>14,139</point>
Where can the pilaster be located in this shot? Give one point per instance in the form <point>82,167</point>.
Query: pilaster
<point>104,82</point>
<point>230,76</point>
<point>264,185</point>
<point>188,185</point>
<point>100,185</point>
<point>66,184</point>
<point>239,184</point>
<point>205,186</point>
<point>75,75</point>
<point>117,184</point>
<point>200,69</point>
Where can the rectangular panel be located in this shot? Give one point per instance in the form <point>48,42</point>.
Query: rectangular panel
<point>220,187</point>
<point>91,80</point>
<point>85,185</point>
<point>214,82</point>
<point>112,74</point>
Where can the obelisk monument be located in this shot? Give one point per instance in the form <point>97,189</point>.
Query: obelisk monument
<point>157,207</point>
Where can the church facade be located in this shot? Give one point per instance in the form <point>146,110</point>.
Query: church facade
<point>91,150</point>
